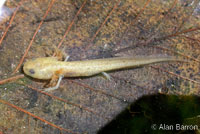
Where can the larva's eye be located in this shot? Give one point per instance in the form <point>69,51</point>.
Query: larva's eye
<point>32,71</point>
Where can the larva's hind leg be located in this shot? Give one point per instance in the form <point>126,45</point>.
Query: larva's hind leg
<point>106,75</point>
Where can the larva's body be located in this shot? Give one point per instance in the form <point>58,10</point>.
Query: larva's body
<point>46,68</point>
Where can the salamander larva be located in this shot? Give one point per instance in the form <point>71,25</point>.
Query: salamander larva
<point>49,67</point>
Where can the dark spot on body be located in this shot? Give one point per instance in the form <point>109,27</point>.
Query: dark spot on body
<point>32,71</point>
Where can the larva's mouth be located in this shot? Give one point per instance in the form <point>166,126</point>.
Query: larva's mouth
<point>25,70</point>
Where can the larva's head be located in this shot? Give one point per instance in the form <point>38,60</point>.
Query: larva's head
<point>39,68</point>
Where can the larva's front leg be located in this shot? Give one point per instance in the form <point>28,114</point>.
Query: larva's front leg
<point>59,76</point>
<point>55,87</point>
